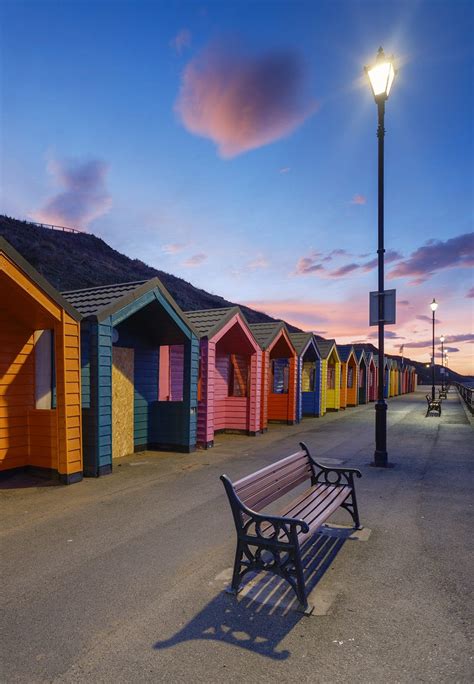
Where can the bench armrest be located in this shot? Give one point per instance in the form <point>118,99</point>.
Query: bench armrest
<point>245,517</point>
<point>346,473</point>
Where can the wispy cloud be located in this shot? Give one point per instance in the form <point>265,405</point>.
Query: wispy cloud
<point>242,102</point>
<point>181,40</point>
<point>359,199</point>
<point>427,319</point>
<point>390,256</point>
<point>259,262</point>
<point>404,302</point>
<point>470,293</point>
<point>307,266</point>
<point>463,337</point>
<point>389,334</point>
<point>195,260</point>
<point>83,196</point>
<point>435,256</point>
<point>174,248</point>
<point>344,270</point>
<point>285,169</point>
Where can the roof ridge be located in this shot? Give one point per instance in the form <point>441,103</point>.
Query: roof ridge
<point>101,287</point>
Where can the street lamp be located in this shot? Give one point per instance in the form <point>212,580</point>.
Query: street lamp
<point>441,339</point>
<point>381,75</point>
<point>434,306</point>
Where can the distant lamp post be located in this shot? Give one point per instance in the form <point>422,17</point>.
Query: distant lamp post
<point>441,339</point>
<point>434,306</point>
<point>381,75</point>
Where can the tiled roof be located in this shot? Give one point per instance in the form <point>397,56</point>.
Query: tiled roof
<point>91,300</point>
<point>265,333</point>
<point>300,340</point>
<point>344,351</point>
<point>209,321</point>
<point>325,347</point>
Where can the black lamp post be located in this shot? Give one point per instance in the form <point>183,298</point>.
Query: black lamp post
<point>434,306</point>
<point>381,76</point>
<point>441,339</point>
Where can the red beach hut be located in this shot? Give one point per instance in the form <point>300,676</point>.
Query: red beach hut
<point>279,366</point>
<point>229,386</point>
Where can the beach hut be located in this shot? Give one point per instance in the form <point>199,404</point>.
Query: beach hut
<point>386,384</point>
<point>308,375</point>
<point>392,377</point>
<point>371,376</point>
<point>363,376</point>
<point>401,375</point>
<point>279,367</point>
<point>331,380</point>
<point>230,374</point>
<point>140,360</point>
<point>348,373</point>
<point>40,390</point>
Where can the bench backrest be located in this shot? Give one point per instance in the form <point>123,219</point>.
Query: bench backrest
<point>270,483</point>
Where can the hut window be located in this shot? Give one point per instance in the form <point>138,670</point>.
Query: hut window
<point>350,377</point>
<point>45,389</point>
<point>308,376</point>
<point>281,376</point>
<point>238,376</point>
<point>171,373</point>
<point>331,377</point>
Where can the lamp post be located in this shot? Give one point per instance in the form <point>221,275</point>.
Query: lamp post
<point>381,76</point>
<point>441,339</point>
<point>434,306</point>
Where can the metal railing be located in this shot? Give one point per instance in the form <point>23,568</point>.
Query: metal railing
<point>466,394</point>
<point>51,226</point>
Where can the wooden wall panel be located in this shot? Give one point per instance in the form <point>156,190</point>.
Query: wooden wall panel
<point>122,401</point>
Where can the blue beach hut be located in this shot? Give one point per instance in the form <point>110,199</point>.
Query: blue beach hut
<point>308,383</point>
<point>140,363</point>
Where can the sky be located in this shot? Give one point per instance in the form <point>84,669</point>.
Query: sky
<point>234,144</point>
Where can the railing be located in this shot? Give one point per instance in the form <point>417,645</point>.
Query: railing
<point>466,394</point>
<point>51,226</point>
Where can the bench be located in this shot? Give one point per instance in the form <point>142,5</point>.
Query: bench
<point>434,405</point>
<point>282,536</point>
<point>442,394</point>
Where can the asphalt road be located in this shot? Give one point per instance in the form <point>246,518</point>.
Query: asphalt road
<point>121,579</point>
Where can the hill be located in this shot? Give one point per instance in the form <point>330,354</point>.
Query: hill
<point>73,260</point>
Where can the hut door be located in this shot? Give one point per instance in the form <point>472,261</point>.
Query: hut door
<point>122,401</point>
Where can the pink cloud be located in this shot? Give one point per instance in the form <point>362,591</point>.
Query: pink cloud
<point>181,40</point>
<point>308,265</point>
<point>427,319</point>
<point>359,199</point>
<point>173,248</point>
<point>344,270</point>
<point>436,255</point>
<point>195,260</point>
<point>470,294</point>
<point>242,102</point>
<point>83,197</point>
<point>259,262</point>
<point>390,256</point>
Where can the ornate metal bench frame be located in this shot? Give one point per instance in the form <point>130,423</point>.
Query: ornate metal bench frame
<point>278,536</point>
<point>434,405</point>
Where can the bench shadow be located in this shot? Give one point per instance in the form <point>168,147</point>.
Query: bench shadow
<point>265,610</point>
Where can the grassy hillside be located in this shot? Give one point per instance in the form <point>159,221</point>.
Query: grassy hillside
<point>72,261</point>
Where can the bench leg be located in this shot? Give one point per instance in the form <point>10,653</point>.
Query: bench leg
<point>300,584</point>
<point>237,565</point>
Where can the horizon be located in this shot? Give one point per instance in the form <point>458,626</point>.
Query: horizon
<point>237,149</point>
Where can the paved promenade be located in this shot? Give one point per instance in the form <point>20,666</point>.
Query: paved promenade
<point>122,579</point>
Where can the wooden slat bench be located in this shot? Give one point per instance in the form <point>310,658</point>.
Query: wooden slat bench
<point>442,394</point>
<point>434,405</point>
<point>282,535</point>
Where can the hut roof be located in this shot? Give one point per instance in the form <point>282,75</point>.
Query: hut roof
<point>325,347</point>
<point>265,333</point>
<point>360,354</point>
<point>208,322</point>
<point>345,351</point>
<point>301,340</point>
<point>101,302</point>
<point>38,279</point>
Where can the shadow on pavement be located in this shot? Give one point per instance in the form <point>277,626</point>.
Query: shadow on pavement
<point>266,609</point>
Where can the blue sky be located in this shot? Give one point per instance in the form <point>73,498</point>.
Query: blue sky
<point>233,143</point>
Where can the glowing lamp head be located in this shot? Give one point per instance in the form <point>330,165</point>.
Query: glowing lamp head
<point>381,75</point>
<point>441,339</point>
<point>434,305</point>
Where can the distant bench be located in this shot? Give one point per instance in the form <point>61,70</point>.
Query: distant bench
<point>283,535</point>
<point>434,405</point>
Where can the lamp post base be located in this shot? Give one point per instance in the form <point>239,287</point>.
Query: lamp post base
<point>380,454</point>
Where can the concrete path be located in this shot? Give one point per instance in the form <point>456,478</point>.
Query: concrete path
<point>122,579</point>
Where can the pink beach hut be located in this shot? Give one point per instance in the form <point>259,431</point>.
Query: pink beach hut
<point>229,386</point>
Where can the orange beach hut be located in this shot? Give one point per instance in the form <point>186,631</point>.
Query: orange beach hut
<point>40,391</point>
<point>348,373</point>
<point>279,367</point>
<point>229,386</point>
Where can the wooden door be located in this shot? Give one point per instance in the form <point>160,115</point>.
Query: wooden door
<point>122,401</point>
